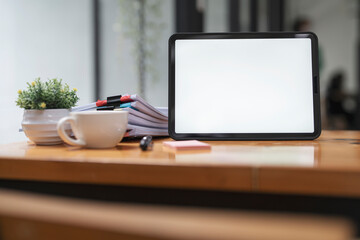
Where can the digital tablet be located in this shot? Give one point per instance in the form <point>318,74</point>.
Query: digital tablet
<point>244,86</point>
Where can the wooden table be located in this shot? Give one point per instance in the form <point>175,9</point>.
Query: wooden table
<point>328,166</point>
<point>320,176</point>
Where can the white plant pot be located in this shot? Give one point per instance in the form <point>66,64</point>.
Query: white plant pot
<point>40,125</point>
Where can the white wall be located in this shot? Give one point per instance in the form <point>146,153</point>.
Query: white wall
<point>215,16</point>
<point>118,73</point>
<point>118,65</point>
<point>47,39</point>
<point>335,23</point>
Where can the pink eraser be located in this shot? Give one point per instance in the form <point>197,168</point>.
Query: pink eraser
<point>187,145</point>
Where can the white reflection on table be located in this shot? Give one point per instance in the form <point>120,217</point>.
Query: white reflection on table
<point>302,156</point>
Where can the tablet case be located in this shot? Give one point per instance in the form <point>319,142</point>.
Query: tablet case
<point>245,136</point>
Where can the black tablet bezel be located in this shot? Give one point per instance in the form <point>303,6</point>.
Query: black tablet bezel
<point>245,136</point>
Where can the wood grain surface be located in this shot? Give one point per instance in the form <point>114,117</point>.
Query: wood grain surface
<point>329,165</point>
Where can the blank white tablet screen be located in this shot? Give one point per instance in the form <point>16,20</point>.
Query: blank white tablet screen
<point>243,86</point>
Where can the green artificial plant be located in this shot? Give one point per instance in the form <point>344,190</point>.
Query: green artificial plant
<point>47,95</point>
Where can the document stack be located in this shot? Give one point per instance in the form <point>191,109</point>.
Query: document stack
<point>144,119</point>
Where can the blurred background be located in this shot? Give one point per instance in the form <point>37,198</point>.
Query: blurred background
<point>110,47</point>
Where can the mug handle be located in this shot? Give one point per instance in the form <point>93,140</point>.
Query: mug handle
<point>64,136</point>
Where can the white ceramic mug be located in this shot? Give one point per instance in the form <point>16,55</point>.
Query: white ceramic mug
<point>96,129</point>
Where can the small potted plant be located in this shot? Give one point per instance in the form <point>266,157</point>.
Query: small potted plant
<point>45,103</point>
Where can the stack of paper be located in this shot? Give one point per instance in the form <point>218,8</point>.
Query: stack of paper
<point>144,119</point>
<point>87,107</point>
